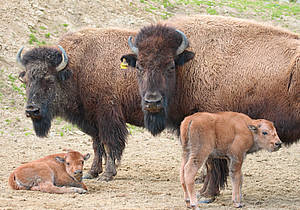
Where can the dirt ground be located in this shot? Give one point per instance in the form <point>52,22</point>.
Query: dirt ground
<point>148,177</point>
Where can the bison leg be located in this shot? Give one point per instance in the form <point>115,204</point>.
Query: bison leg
<point>50,188</point>
<point>216,178</point>
<point>110,166</point>
<point>96,167</point>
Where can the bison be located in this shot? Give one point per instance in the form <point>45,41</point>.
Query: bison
<point>81,82</point>
<point>214,63</point>
<point>224,134</point>
<point>58,173</point>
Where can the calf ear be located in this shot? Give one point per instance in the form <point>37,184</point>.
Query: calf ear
<point>60,159</point>
<point>86,156</point>
<point>184,57</point>
<point>64,74</point>
<point>253,128</point>
<point>130,59</point>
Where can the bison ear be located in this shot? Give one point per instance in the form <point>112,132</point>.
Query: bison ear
<point>184,57</point>
<point>130,59</point>
<point>60,159</point>
<point>86,156</point>
<point>64,74</point>
<point>253,128</point>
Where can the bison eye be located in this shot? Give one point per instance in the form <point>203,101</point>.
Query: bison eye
<point>139,68</point>
<point>265,133</point>
<point>68,163</point>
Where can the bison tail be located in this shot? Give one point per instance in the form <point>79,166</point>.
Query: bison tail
<point>12,181</point>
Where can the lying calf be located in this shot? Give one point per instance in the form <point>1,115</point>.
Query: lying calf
<point>224,135</point>
<point>58,173</point>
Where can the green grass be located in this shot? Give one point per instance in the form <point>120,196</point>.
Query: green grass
<point>260,9</point>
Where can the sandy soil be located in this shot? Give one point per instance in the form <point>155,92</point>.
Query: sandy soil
<point>148,177</point>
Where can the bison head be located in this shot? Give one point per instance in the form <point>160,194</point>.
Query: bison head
<point>43,75</point>
<point>158,51</point>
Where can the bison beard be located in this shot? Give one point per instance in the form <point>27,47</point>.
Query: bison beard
<point>42,125</point>
<point>155,122</point>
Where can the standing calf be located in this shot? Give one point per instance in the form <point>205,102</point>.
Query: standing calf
<point>58,173</point>
<point>229,135</point>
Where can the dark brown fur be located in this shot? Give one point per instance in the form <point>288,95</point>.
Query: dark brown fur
<point>91,92</point>
<point>239,65</point>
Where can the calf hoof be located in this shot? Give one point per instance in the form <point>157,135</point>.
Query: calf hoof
<point>195,207</point>
<point>187,203</point>
<point>90,175</point>
<point>106,177</point>
<point>80,190</point>
<point>238,205</point>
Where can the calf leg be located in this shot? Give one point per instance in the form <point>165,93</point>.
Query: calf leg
<point>191,168</point>
<point>50,188</point>
<point>96,167</point>
<point>236,178</point>
<point>182,180</point>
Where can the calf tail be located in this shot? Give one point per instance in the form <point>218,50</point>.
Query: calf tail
<point>12,181</point>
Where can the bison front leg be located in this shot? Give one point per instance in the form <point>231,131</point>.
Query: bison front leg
<point>96,167</point>
<point>110,166</point>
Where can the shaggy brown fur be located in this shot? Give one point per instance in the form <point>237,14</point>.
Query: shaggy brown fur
<point>58,173</point>
<point>239,65</point>
<point>224,134</point>
<point>92,92</point>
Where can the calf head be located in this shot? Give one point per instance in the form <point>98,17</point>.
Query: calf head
<point>158,51</point>
<point>43,75</point>
<point>73,162</point>
<point>265,135</point>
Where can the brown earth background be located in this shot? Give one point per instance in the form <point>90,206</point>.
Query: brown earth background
<point>148,177</point>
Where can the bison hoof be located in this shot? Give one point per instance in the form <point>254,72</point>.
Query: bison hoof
<point>90,175</point>
<point>206,200</point>
<point>106,177</point>
<point>194,207</point>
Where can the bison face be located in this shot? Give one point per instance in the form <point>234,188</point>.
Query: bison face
<point>158,51</point>
<point>42,76</point>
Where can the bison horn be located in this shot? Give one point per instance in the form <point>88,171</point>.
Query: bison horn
<point>134,49</point>
<point>64,61</point>
<point>184,44</point>
<point>19,59</point>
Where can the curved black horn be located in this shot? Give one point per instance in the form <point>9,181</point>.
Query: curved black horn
<point>19,57</point>
<point>184,44</point>
<point>134,49</point>
<point>64,61</point>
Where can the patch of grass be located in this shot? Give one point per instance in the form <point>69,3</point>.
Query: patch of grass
<point>18,89</point>
<point>47,35</point>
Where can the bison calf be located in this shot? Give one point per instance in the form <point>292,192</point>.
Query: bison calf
<point>227,135</point>
<point>58,173</point>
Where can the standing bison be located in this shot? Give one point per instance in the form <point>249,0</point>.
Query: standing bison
<point>81,81</point>
<point>238,65</point>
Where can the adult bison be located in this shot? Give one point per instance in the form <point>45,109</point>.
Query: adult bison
<point>81,81</point>
<point>239,65</point>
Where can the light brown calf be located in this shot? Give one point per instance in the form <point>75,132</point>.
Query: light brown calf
<point>225,134</point>
<point>58,173</point>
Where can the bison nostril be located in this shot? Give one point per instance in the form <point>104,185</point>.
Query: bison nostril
<point>153,97</point>
<point>32,111</point>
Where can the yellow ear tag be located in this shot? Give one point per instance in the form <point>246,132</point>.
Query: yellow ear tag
<point>124,64</point>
